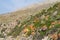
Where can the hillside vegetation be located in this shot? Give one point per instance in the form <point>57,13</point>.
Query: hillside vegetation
<point>40,22</point>
<point>44,23</point>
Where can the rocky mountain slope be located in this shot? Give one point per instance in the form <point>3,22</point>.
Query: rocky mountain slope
<point>32,23</point>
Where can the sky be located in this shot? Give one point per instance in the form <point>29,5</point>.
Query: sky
<point>11,5</point>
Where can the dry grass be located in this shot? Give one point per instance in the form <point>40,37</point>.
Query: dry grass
<point>22,14</point>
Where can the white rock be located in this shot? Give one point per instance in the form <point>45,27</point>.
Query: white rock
<point>55,13</point>
<point>45,38</point>
<point>1,38</point>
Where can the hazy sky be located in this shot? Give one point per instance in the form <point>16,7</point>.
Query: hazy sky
<point>11,5</point>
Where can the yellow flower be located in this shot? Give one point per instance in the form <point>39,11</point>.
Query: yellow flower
<point>25,30</point>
